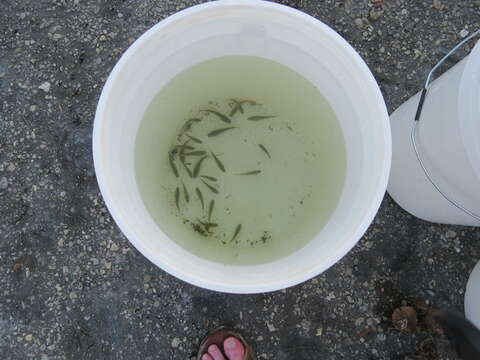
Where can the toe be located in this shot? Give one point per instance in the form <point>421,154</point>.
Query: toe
<point>206,357</point>
<point>234,349</point>
<point>215,352</point>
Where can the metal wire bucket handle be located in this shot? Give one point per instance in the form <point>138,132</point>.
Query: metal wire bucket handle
<point>413,134</point>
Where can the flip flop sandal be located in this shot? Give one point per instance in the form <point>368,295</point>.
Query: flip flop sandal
<point>218,336</point>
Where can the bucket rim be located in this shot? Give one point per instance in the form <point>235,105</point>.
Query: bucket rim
<point>356,233</point>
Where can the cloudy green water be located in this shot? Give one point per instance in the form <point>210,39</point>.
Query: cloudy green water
<point>279,209</point>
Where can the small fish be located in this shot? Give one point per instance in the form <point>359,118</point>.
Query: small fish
<point>187,169</point>
<point>234,110</point>
<point>238,105</point>
<point>208,225</point>
<point>195,153</point>
<point>237,231</point>
<point>172,165</point>
<point>212,189</point>
<point>200,196</point>
<point>198,228</point>
<point>185,192</point>
<point>184,147</point>
<point>220,131</point>
<point>260,117</point>
<point>188,124</point>
<point>210,209</point>
<point>219,163</point>
<point>173,151</point>
<point>196,169</point>
<point>211,178</point>
<point>182,155</point>
<point>193,138</point>
<point>253,172</point>
<point>177,197</point>
<point>265,150</point>
<point>222,117</point>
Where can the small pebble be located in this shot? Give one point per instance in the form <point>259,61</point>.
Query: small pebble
<point>176,342</point>
<point>359,321</point>
<point>3,183</point>
<point>29,337</point>
<point>271,327</point>
<point>451,234</point>
<point>45,86</point>
<point>463,33</point>
<point>437,4</point>
<point>375,14</point>
<point>404,318</point>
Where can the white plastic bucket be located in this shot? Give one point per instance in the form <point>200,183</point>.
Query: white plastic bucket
<point>272,31</point>
<point>448,139</point>
<point>472,297</point>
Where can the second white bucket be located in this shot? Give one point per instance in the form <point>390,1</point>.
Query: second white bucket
<point>448,139</point>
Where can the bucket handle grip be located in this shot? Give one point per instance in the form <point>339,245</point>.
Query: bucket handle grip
<point>413,134</point>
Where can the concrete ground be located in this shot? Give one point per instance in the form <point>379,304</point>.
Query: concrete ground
<point>72,287</point>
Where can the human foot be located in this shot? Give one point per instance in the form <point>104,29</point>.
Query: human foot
<point>224,344</point>
<point>233,349</point>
